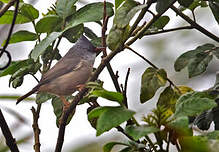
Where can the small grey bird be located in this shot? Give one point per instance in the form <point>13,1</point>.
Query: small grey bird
<point>69,73</point>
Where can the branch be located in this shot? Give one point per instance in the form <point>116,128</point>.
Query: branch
<point>10,3</point>
<point>125,89</point>
<point>195,25</point>
<point>151,64</point>
<point>95,75</point>
<point>109,67</point>
<point>140,34</point>
<point>10,141</point>
<point>169,30</point>
<point>36,129</point>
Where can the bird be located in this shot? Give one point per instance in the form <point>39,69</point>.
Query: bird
<point>69,74</point>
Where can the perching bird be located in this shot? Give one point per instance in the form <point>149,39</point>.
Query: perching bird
<point>69,72</point>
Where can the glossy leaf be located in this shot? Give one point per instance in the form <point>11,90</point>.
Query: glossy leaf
<point>8,17</point>
<point>48,24</point>
<point>192,104</point>
<point>140,131</point>
<point>196,60</point>
<point>74,33</point>
<point>21,36</point>
<point>43,97</point>
<point>89,33</point>
<point>65,8</point>
<point>29,11</point>
<point>89,13</point>
<point>181,125</point>
<point>152,80</point>
<point>109,146</point>
<point>214,5</point>
<point>17,82</point>
<point>15,66</point>
<point>109,95</point>
<point>116,115</point>
<point>118,3</point>
<point>185,3</point>
<point>163,5</point>
<point>161,22</point>
<point>168,98</point>
<point>126,12</point>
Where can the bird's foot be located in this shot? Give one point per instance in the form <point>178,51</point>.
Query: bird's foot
<point>80,87</point>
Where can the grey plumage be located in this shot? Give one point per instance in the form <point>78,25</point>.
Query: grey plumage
<point>71,70</point>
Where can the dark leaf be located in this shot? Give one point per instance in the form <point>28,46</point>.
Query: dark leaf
<point>65,8</point>
<point>161,22</point>
<point>214,5</point>
<point>74,33</point>
<point>204,120</point>
<point>194,103</point>
<point>89,33</point>
<point>29,11</point>
<point>181,125</point>
<point>21,36</point>
<point>185,3</point>
<point>163,5</point>
<point>118,3</point>
<point>152,80</point>
<point>48,24</point>
<point>17,81</point>
<point>43,97</point>
<point>140,131</point>
<point>109,146</point>
<point>116,115</point>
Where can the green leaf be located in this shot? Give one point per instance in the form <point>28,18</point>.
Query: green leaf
<point>161,22</point>
<point>74,33</point>
<point>196,4</point>
<point>89,13</point>
<point>116,115</point>
<point>152,80</point>
<point>194,144</point>
<point>168,99</point>
<point>15,66</point>
<point>17,81</point>
<point>109,95</point>
<point>29,11</point>
<point>214,5</point>
<point>199,64</point>
<point>181,125</point>
<point>162,5</point>
<point>21,36</point>
<point>140,131</point>
<point>41,47</point>
<point>185,3</point>
<point>8,17</point>
<point>126,12</point>
<point>194,103</point>
<point>65,8</point>
<point>197,60</point>
<point>43,97</point>
<point>48,24</point>
<point>89,33</point>
<point>118,3</point>
<point>109,146</point>
<point>58,110</point>
<point>14,97</point>
<point>212,135</point>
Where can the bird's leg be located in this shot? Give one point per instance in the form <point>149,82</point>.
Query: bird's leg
<point>65,102</point>
<point>80,87</point>
<point>99,49</point>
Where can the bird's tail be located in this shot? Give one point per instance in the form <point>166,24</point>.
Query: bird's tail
<point>27,95</point>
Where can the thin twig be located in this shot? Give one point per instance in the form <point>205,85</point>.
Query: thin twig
<point>125,89</point>
<point>109,67</point>
<point>9,36</point>
<point>169,30</point>
<point>194,24</point>
<point>36,129</point>
<point>7,6</point>
<point>10,141</point>
<point>151,64</point>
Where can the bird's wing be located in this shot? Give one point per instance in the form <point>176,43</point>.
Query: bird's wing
<point>62,67</point>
